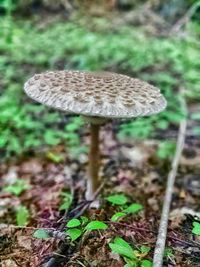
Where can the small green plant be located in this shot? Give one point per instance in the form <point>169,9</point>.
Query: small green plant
<point>118,199</point>
<point>132,257</point>
<point>196,130</point>
<point>40,234</point>
<point>8,6</point>
<point>166,149</point>
<point>73,223</point>
<point>195,116</point>
<point>168,253</point>
<point>117,216</point>
<point>74,233</point>
<point>96,225</point>
<point>140,129</point>
<point>71,130</point>
<point>133,208</point>
<point>66,201</point>
<point>75,227</point>
<point>20,131</point>
<point>22,216</point>
<point>57,158</point>
<point>196,228</point>
<point>121,200</point>
<point>18,187</point>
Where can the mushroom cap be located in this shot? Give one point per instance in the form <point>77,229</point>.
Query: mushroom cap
<point>99,94</point>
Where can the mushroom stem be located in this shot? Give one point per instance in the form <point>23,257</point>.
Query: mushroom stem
<point>94,158</point>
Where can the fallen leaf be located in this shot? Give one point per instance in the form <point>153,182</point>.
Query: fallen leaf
<point>8,263</point>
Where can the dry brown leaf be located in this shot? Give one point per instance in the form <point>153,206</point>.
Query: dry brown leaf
<point>8,263</point>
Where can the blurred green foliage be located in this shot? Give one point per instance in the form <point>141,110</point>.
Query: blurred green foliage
<point>18,187</point>
<point>169,63</point>
<point>22,215</point>
<point>166,149</point>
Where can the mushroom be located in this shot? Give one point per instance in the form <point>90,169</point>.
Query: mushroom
<point>98,97</point>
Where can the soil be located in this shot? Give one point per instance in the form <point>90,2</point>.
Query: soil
<point>131,168</point>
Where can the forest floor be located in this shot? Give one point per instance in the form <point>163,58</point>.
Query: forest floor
<point>131,168</point>
<point>45,190</point>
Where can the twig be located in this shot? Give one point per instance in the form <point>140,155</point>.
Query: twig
<point>24,227</point>
<point>144,229</point>
<point>72,190</point>
<point>134,228</point>
<point>185,242</point>
<point>89,202</point>
<point>78,211</point>
<point>162,233</point>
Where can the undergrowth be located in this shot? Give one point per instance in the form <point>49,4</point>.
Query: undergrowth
<point>169,63</point>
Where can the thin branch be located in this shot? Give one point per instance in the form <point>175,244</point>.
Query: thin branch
<point>80,209</point>
<point>144,229</point>
<point>75,213</point>
<point>162,233</point>
<point>24,227</point>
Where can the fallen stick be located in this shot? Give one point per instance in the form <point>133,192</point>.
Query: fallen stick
<point>162,232</point>
<point>143,229</point>
<point>54,260</point>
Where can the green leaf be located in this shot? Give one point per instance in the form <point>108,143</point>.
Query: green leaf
<point>84,220</point>
<point>168,252</point>
<point>196,130</point>
<point>117,216</point>
<point>145,249</point>
<point>17,188</point>
<point>96,225</point>
<point>51,138</point>
<point>3,139</point>
<point>50,117</point>
<point>196,224</point>
<point>146,263</point>
<point>166,149</point>
<point>122,248</point>
<point>72,127</point>
<point>122,242</point>
<point>72,139</point>
<point>73,223</point>
<point>133,208</point>
<point>162,124</point>
<point>64,206</point>
<point>55,157</point>
<point>66,201</point>
<point>196,228</point>
<point>195,116</point>
<point>174,116</point>
<point>22,216</point>
<point>41,234</point>
<point>74,233</point>
<point>131,262</point>
<point>15,144</point>
<point>118,199</point>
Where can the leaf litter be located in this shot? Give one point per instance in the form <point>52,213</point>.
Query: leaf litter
<point>142,183</point>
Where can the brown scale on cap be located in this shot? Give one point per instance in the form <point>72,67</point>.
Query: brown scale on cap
<point>101,94</point>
